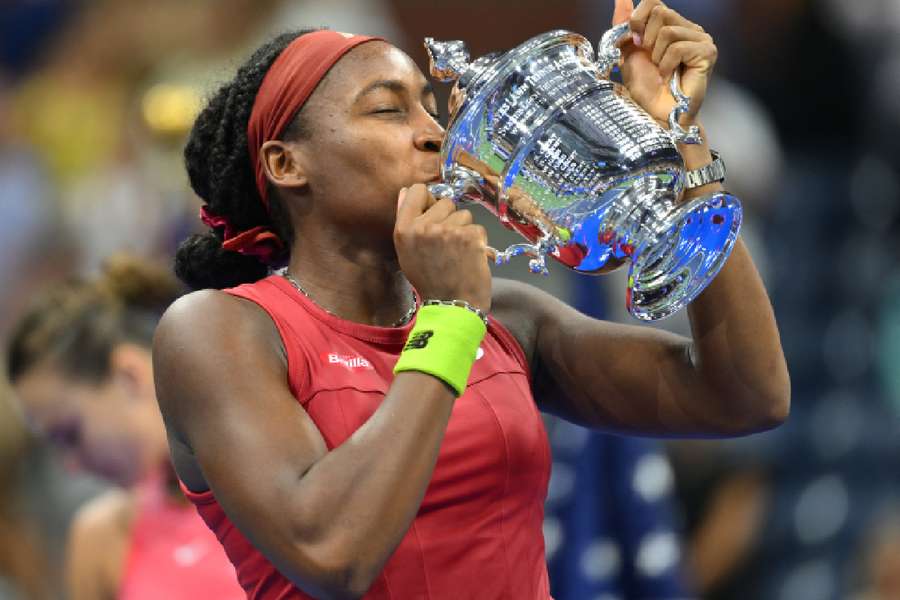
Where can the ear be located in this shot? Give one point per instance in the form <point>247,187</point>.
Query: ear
<point>131,366</point>
<point>284,164</point>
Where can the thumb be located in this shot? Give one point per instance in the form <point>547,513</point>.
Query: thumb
<point>622,12</point>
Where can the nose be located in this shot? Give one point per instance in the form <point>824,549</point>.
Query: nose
<point>430,137</point>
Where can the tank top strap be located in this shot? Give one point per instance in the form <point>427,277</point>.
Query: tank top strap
<point>282,309</point>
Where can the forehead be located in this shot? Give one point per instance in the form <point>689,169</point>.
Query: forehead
<point>367,63</point>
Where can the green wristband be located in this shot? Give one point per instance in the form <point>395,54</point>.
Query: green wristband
<point>443,343</point>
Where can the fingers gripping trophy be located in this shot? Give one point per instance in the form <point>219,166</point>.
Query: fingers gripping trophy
<point>589,171</point>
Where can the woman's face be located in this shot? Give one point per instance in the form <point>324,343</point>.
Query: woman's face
<point>111,428</point>
<point>373,130</point>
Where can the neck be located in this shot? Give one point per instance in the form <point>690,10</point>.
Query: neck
<point>356,283</point>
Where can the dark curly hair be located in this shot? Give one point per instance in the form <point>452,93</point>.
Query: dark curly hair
<point>218,165</point>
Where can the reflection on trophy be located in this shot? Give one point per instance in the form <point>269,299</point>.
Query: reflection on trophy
<point>541,137</point>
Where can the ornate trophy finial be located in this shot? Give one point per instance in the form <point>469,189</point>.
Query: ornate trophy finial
<point>449,60</point>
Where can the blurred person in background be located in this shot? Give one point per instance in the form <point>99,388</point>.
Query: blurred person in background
<point>79,360</point>
<point>879,565</point>
<point>101,110</point>
<point>289,427</point>
<point>23,573</point>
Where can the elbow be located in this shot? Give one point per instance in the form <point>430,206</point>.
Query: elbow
<point>338,575</point>
<point>766,409</point>
<point>355,580</point>
<point>774,412</point>
<point>777,401</point>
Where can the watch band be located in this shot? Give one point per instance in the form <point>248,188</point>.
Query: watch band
<point>711,173</point>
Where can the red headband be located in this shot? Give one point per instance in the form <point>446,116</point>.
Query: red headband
<point>287,86</point>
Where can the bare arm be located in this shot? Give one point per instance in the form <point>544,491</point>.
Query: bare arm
<point>98,547</point>
<point>730,379</point>
<point>729,528</point>
<point>328,520</point>
<point>640,380</point>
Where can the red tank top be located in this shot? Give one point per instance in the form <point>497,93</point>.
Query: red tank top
<point>477,533</point>
<point>173,554</point>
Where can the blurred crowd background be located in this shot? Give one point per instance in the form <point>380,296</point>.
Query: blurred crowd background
<point>96,97</point>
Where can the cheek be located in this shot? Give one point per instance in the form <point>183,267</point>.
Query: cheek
<point>368,158</point>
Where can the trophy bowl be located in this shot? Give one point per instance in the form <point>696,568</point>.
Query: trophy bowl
<point>541,137</point>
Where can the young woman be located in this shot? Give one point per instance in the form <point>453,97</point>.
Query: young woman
<point>80,362</point>
<point>344,431</point>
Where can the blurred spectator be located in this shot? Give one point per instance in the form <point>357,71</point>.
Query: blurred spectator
<point>25,28</point>
<point>35,248</point>
<point>80,361</point>
<point>880,571</point>
<point>23,573</point>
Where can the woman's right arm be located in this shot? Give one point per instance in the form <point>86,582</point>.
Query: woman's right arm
<point>328,520</point>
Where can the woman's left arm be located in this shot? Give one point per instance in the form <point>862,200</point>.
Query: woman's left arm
<point>731,378</point>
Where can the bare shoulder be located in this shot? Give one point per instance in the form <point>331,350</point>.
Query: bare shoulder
<point>206,314</point>
<point>208,344</point>
<point>107,516</point>
<point>98,545</point>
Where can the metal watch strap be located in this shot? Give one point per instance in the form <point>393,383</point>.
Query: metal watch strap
<point>460,303</point>
<point>711,173</point>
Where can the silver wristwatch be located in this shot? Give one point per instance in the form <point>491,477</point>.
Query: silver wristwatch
<point>711,173</point>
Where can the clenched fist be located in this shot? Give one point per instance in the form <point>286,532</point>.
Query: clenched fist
<point>441,252</point>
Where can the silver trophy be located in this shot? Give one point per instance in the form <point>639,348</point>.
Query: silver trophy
<point>544,139</point>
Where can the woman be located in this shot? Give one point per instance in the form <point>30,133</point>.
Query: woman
<point>341,439</point>
<point>80,362</point>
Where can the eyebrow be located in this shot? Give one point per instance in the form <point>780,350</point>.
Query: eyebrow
<point>392,85</point>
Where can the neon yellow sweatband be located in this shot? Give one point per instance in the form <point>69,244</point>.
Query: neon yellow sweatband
<point>443,343</point>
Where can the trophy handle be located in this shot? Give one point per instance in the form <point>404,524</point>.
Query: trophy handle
<point>459,183</point>
<point>537,252</point>
<point>465,183</point>
<point>609,54</point>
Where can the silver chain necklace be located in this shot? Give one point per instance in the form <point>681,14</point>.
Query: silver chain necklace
<point>401,321</point>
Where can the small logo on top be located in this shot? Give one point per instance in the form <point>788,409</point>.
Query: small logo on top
<point>419,340</point>
<point>349,362</point>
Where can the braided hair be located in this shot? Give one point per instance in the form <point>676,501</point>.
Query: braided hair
<point>218,165</point>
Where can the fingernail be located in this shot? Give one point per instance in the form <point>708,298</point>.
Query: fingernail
<point>636,38</point>
<point>401,196</point>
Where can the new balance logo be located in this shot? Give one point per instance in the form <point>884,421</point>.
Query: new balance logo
<point>419,340</point>
<point>348,362</point>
